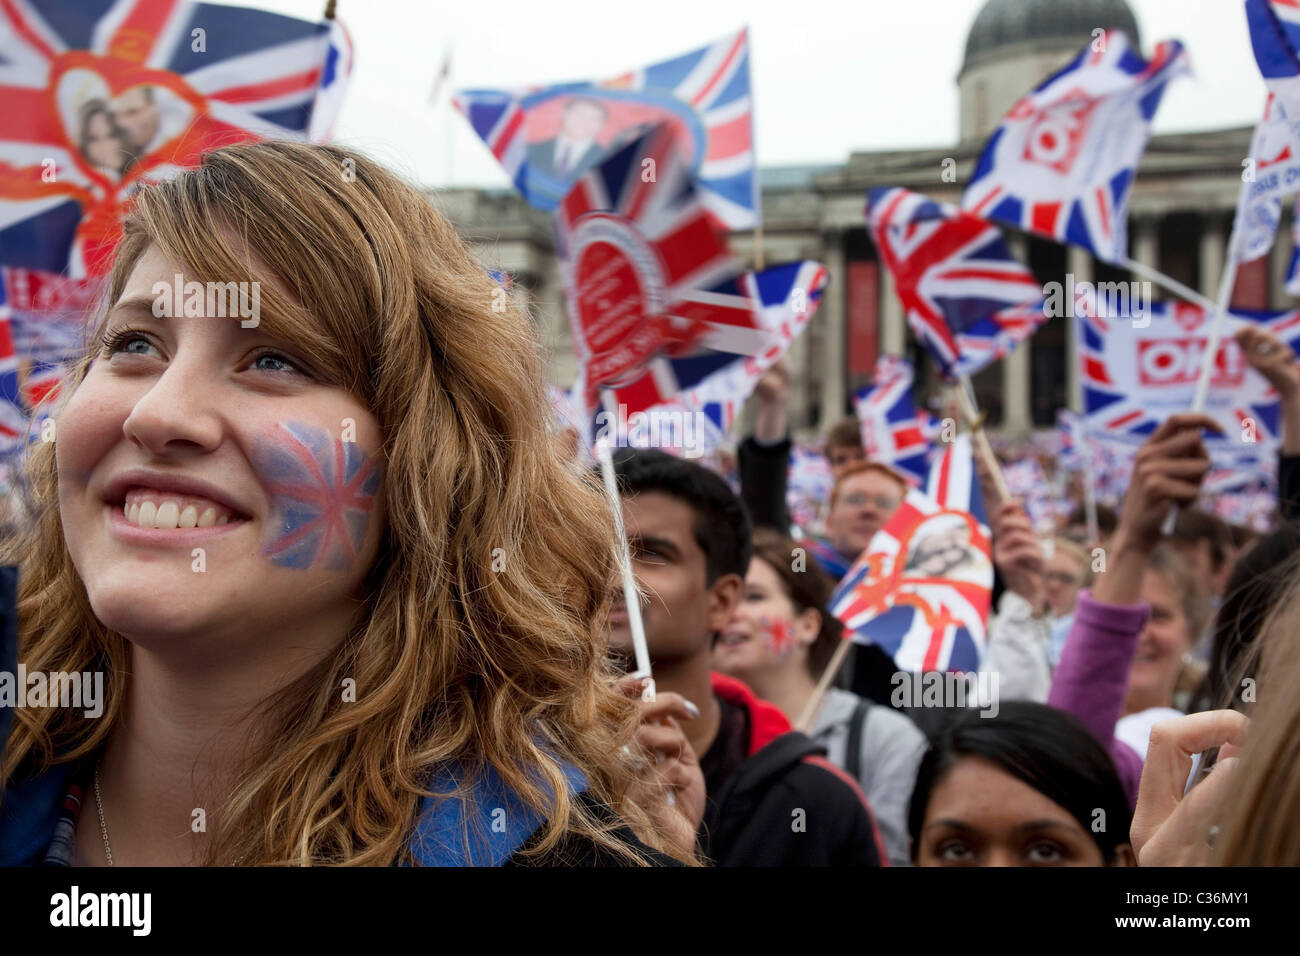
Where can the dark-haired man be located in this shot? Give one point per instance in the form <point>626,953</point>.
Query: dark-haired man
<point>773,798</point>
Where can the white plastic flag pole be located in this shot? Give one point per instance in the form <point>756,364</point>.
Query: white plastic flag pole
<point>1173,285</point>
<point>630,596</point>
<point>1226,285</point>
<point>1079,431</point>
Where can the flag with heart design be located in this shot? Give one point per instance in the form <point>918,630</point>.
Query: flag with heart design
<point>102,98</point>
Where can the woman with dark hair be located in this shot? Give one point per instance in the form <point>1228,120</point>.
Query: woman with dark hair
<point>100,141</point>
<point>1027,787</point>
<point>779,641</point>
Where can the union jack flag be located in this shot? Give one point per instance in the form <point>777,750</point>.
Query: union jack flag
<point>1063,159</point>
<point>967,299</point>
<point>787,297</point>
<point>705,94</point>
<point>1275,151</point>
<point>103,95</point>
<point>322,491</point>
<point>48,318</point>
<point>894,431</point>
<point>13,421</point>
<point>655,300</point>
<point>1135,377</point>
<point>1275,40</point>
<point>923,588</point>
<point>1275,147</point>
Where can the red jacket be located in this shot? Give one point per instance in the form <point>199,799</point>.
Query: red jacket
<point>786,805</point>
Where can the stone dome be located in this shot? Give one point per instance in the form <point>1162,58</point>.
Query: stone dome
<point>1004,24</point>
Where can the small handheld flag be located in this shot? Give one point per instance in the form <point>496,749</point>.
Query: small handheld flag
<point>922,590</point>
<point>1062,161</point>
<point>967,299</point>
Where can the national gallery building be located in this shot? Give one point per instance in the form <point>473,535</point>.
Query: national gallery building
<point>1180,215</point>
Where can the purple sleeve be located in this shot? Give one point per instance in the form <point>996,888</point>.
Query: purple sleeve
<point>1092,678</point>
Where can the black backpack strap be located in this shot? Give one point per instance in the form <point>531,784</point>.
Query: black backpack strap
<point>853,755</point>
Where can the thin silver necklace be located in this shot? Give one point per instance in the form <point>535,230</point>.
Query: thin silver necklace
<point>103,827</point>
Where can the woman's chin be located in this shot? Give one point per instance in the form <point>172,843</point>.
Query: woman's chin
<point>158,613</point>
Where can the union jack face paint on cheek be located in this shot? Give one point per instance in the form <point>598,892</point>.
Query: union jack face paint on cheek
<point>322,492</point>
<point>779,639</point>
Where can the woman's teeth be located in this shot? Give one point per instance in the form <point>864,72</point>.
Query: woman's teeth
<point>170,514</point>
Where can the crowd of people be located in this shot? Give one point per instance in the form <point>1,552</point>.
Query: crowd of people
<point>401,636</point>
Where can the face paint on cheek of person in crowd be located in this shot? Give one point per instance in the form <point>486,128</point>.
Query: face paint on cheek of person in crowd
<point>322,492</point>
<point>777,636</point>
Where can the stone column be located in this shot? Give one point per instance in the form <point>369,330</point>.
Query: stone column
<point>1279,298</point>
<point>1214,246</point>
<point>832,319</point>
<point>1146,244</point>
<point>1079,264</point>
<point>1016,378</point>
<point>893,326</point>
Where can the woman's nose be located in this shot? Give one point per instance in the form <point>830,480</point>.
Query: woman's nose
<point>176,412</point>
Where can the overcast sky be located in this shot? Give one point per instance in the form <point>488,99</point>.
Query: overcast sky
<point>829,76</point>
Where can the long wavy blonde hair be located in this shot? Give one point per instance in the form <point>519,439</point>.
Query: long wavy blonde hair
<point>453,661</point>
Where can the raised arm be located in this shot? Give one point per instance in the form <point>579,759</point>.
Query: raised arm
<point>764,457</point>
<point>1092,678</point>
<point>1276,361</point>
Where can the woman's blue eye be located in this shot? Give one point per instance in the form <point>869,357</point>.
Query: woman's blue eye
<point>127,343</point>
<point>273,363</point>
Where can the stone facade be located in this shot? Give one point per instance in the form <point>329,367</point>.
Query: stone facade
<point>1180,213</point>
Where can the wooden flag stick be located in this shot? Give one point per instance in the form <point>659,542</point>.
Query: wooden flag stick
<point>975,421</point>
<point>828,676</point>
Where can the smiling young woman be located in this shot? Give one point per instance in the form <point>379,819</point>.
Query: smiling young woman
<point>283,544</point>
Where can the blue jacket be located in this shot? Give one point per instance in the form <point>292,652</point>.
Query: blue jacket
<point>448,832</point>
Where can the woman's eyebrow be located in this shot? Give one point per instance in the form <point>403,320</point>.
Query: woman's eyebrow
<point>1044,825</point>
<point>136,303</point>
<point>950,823</point>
